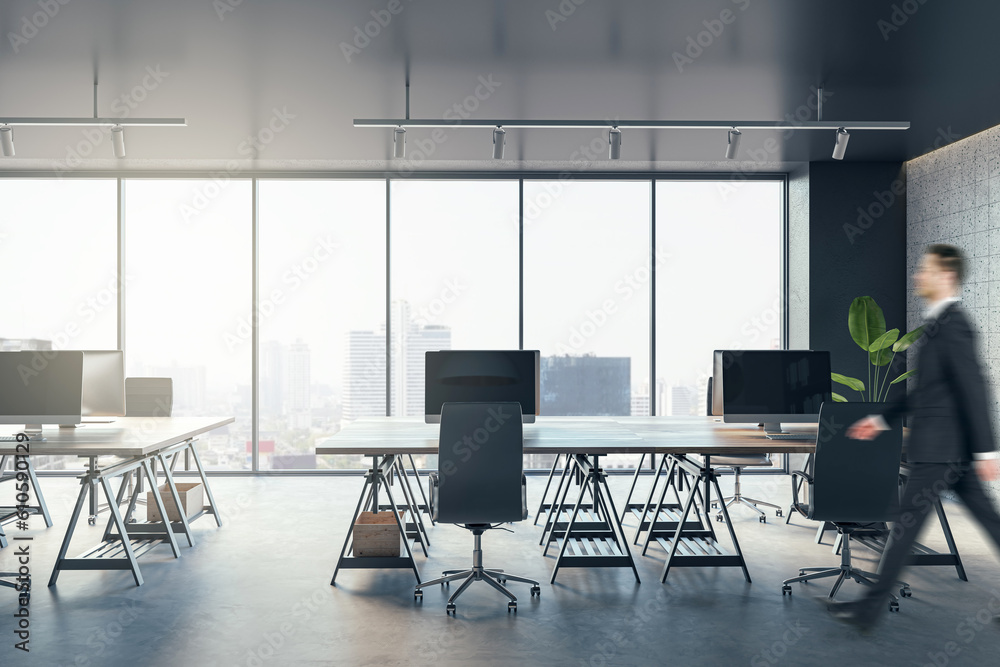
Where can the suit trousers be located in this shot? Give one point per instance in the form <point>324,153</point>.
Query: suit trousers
<point>925,483</point>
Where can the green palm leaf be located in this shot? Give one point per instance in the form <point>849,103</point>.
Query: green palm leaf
<point>865,321</point>
<point>907,340</point>
<point>902,377</point>
<point>856,385</point>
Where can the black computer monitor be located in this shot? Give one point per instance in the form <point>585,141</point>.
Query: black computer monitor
<point>465,376</point>
<point>773,386</point>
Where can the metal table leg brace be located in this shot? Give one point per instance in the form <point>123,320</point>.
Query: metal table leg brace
<point>377,477</point>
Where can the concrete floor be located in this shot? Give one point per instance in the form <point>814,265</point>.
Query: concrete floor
<point>256,592</point>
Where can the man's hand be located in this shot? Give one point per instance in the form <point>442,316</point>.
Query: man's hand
<point>864,429</point>
<point>987,469</point>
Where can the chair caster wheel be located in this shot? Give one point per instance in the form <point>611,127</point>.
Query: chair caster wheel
<point>450,609</point>
<point>786,590</point>
<point>905,592</point>
<point>778,513</point>
<point>893,606</point>
<point>92,520</point>
<point>715,506</point>
<point>536,590</point>
<point>718,517</point>
<point>418,594</point>
<point>763,519</point>
<point>502,581</point>
<point>511,607</point>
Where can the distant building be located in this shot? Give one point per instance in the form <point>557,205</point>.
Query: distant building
<point>365,375</point>
<point>189,386</point>
<point>640,405</point>
<point>410,342</point>
<point>578,386</point>
<point>272,378</point>
<point>681,401</point>
<point>18,344</point>
<point>299,402</point>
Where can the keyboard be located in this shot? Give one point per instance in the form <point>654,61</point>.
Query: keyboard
<point>790,436</point>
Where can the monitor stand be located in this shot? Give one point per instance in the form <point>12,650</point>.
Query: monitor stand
<point>773,427</point>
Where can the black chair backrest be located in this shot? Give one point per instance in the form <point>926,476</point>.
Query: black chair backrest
<point>480,463</point>
<point>709,404</point>
<point>854,481</point>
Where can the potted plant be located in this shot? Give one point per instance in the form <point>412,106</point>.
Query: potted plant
<point>866,323</point>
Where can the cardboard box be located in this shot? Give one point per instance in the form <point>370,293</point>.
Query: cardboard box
<point>192,500</point>
<point>376,535</point>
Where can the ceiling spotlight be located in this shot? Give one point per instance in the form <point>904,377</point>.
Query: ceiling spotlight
<point>733,147</point>
<point>399,142</point>
<point>118,140</point>
<point>499,137</point>
<point>7,140</point>
<point>840,147</point>
<point>614,143</point>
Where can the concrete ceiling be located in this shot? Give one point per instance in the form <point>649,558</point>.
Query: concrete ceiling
<point>295,74</point>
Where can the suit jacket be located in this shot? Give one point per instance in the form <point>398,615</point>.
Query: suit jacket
<point>950,405</point>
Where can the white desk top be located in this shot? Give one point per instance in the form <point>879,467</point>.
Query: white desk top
<point>375,436</point>
<point>125,437</point>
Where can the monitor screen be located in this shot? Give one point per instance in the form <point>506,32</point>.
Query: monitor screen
<point>41,387</point>
<point>773,386</point>
<point>465,376</point>
<point>103,383</point>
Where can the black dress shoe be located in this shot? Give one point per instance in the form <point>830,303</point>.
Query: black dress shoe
<point>856,613</point>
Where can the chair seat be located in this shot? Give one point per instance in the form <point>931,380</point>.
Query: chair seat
<point>742,460</point>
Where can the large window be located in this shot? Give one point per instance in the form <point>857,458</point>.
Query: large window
<point>454,275</point>
<point>59,264</point>
<point>718,281</point>
<point>572,274</point>
<point>59,281</point>
<point>188,302</point>
<point>321,315</point>
<point>587,295</point>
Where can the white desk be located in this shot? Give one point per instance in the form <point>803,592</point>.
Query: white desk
<point>598,540</point>
<point>136,442</point>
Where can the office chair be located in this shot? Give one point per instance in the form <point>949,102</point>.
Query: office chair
<point>149,397</point>
<point>854,485</point>
<point>738,462</point>
<point>479,485</point>
<point>144,397</point>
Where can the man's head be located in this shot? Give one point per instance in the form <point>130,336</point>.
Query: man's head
<point>941,271</point>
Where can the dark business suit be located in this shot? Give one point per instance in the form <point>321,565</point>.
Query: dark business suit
<point>950,423</point>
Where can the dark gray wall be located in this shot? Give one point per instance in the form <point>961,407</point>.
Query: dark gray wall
<point>857,247</point>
